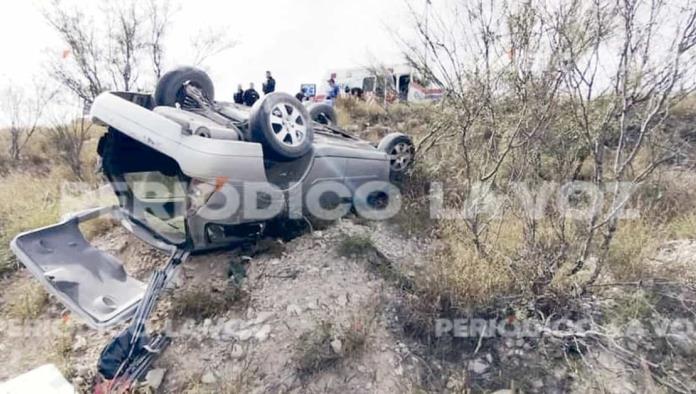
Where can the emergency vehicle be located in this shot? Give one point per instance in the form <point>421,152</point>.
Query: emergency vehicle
<point>387,83</point>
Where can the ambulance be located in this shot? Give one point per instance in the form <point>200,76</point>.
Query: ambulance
<point>389,84</point>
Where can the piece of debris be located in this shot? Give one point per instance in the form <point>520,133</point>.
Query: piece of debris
<point>237,351</point>
<point>336,346</point>
<point>44,379</point>
<point>236,270</point>
<point>263,317</point>
<point>293,309</point>
<point>79,344</point>
<point>262,334</point>
<point>244,335</point>
<point>155,377</point>
<point>478,366</point>
<point>208,378</point>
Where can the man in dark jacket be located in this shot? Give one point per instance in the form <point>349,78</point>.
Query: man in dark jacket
<point>250,95</point>
<point>239,96</point>
<point>269,86</point>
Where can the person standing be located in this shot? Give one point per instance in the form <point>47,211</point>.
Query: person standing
<point>269,85</point>
<point>333,92</point>
<point>250,95</point>
<point>239,96</point>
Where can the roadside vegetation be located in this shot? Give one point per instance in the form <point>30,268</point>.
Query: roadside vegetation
<point>529,110</point>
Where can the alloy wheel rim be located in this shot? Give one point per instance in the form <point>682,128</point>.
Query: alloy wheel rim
<point>288,124</point>
<point>400,156</point>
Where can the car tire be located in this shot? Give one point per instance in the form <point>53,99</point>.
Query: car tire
<point>322,113</point>
<point>169,90</point>
<point>282,125</point>
<point>401,151</point>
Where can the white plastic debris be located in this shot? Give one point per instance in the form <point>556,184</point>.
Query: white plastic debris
<point>46,379</point>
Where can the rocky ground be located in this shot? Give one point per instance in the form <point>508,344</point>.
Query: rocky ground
<point>307,319</point>
<point>316,314</point>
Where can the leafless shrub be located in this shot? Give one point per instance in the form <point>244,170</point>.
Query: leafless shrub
<point>535,93</point>
<point>68,138</point>
<point>25,112</point>
<point>544,93</point>
<point>120,46</point>
<point>210,42</point>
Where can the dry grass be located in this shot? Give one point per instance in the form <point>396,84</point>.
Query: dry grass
<point>97,227</point>
<point>353,111</point>
<point>204,302</point>
<point>63,349</point>
<point>26,300</point>
<point>27,201</point>
<point>314,351</point>
<point>683,227</point>
<point>240,382</point>
<point>414,218</point>
<point>355,245</point>
<point>466,278</point>
<point>634,242</point>
<point>31,192</point>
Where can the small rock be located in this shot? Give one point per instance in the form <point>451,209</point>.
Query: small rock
<point>452,383</point>
<point>294,309</point>
<point>312,304</point>
<point>684,345</point>
<point>178,279</point>
<point>336,346</point>
<point>80,343</point>
<point>399,371</point>
<point>478,366</point>
<point>244,335</point>
<point>208,378</point>
<point>263,317</point>
<point>560,373</point>
<point>82,370</point>
<point>155,377</point>
<point>262,334</point>
<point>229,329</point>
<point>342,300</point>
<point>237,351</point>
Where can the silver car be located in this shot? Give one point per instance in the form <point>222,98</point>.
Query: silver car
<point>192,173</point>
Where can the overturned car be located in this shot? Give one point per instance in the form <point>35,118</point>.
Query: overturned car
<point>191,174</point>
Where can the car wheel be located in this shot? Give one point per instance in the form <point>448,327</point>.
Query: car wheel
<point>170,87</point>
<point>282,125</point>
<point>400,150</point>
<point>322,113</point>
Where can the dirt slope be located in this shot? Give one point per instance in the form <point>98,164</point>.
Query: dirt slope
<point>308,320</point>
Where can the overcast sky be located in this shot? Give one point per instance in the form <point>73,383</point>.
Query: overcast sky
<point>298,40</point>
